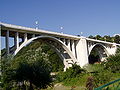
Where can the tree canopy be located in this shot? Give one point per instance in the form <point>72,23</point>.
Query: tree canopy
<point>31,67</point>
<point>108,38</point>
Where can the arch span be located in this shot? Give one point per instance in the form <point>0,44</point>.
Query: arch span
<point>52,39</point>
<point>101,45</point>
<point>98,53</point>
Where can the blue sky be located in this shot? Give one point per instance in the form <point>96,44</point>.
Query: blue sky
<point>88,16</point>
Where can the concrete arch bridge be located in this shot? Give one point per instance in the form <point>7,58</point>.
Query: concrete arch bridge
<point>71,49</point>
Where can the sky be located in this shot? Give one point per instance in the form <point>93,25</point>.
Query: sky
<point>92,17</point>
<point>88,16</point>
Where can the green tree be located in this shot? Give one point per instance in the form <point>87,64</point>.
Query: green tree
<point>33,68</point>
<point>117,39</point>
<point>92,37</point>
<point>98,37</point>
<point>108,38</point>
<point>113,63</point>
<point>72,72</point>
<point>56,62</point>
<point>118,50</point>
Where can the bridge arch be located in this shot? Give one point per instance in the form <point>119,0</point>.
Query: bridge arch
<point>61,55</point>
<point>101,45</point>
<point>101,51</point>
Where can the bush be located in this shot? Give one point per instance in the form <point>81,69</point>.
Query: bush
<point>118,50</point>
<point>102,77</point>
<point>72,76</point>
<point>31,70</point>
<point>113,63</point>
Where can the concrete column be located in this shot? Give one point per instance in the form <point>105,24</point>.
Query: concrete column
<point>114,49</point>
<point>16,40</point>
<point>7,42</point>
<point>82,52</point>
<point>64,40</point>
<point>68,41</point>
<point>73,47</point>
<point>25,37</point>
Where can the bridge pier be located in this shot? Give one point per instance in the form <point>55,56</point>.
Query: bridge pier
<point>7,42</point>
<point>25,37</point>
<point>16,40</point>
<point>82,52</point>
<point>73,47</point>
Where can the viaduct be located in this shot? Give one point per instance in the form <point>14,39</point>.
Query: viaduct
<point>71,49</point>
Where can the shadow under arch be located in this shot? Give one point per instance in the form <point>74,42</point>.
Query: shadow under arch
<point>98,53</point>
<point>56,50</point>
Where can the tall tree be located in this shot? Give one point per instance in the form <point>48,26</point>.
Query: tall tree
<point>117,39</point>
<point>32,67</point>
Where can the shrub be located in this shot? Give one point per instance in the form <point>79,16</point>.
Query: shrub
<point>113,63</point>
<point>72,76</point>
<point>33,67</point>
<point>102,77</point>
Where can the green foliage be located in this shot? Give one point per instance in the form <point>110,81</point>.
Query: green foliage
<point>72,76</point>
<point>91,68</point>
<point>107,71</point>
<point>92,37</point>
<point>33,67</point>
<point>115,39</point>
<point>102,77</point>
<point>98,37</point>
<point>113,63</point>
<point>55,61</point>
<point>118,50</point>
<point>100,74</point>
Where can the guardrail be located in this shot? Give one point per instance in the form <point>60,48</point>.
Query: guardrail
<point>104,87</point>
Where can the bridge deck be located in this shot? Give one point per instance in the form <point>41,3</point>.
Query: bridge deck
<point>21,29</point>
<point>17,28</point>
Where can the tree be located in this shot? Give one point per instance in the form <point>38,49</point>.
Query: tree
<point>108,38</point>
<point>31,70</point>
<point>113,63</point>
<point>98,37</point>
<point>118,50</point>
<point>92,37</point>
<point>54,59</point>
<point>117,39</point>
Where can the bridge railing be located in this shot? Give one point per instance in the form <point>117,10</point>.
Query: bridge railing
<point>114,85</point>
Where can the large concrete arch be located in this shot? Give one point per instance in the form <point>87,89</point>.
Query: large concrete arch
<point>49,38</point>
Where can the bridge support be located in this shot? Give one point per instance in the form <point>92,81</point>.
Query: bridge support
<point>73,47</point>
<point>82,52</point>
<point>25,37</point>
<point>7,42</point>
<point>16,40</point>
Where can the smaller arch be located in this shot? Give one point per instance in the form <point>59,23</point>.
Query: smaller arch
<point>98,52</point>
<point>91,48</point>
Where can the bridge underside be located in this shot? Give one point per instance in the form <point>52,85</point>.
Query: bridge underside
<point>97,54</point>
